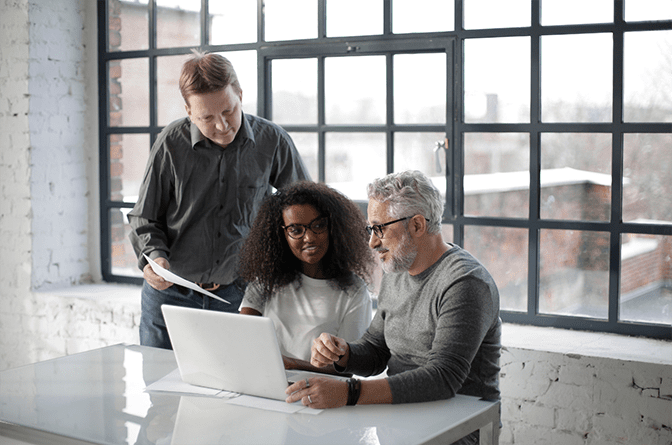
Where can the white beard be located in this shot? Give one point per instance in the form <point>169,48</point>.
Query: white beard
<point>403,258</point>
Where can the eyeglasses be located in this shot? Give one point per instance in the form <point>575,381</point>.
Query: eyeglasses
<point>317,226</point>
<point>378,228</point>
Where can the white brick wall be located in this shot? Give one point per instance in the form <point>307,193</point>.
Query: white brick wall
<point>59,142</point>
<point>48,155</point>
<point>15,206</point>
<point>556,398</point>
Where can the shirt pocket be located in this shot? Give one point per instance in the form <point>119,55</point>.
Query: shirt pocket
<point>251,194</point>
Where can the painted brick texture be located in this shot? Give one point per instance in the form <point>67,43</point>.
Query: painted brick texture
<point>553,398</point>
<point>58,130</point>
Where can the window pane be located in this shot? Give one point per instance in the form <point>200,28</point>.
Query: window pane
<point>232,21</point>
<point>574,273</point>
<point>354,17</point>
<point>128,158</point>
<point>245,65</point>
<point>647,76</point>
<point>481,14</point>
<point>353,160</point>
<point>355,90</point>
<point>647,175</point>
<point>646,278</point>
<point>123,259</point>
<point>170,103</point>
<point>576,78</point>
<point>178,23</point>
<point>306,144</point>
<point>504,253</point>
<point>570,12</point>
<point>128,25</point>
<point>576,176</point>
<point>129,92</point>
<point>497,174</point>
<point>447,232</point>
<point>419,151</point>
<point>290,19</point>
<point>294,91</point>
<point>647,10</point>
<point>504,97</point>
<point>423,16</point>
<point>420,102</point>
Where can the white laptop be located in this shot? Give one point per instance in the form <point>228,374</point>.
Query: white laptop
<point>232,352</point>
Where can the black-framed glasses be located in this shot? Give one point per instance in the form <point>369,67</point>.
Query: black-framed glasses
<point>317,226</point>
<point>378,228</point>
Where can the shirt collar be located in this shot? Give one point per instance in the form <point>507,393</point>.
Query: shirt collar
<point>245,133</point>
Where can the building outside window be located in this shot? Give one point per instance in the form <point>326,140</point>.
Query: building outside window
<point>546,124</point>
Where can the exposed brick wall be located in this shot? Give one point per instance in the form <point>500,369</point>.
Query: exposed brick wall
<point>82,318</point>
<point>648,268</point>
<point>46,161</point>
<point>15,159</point>
<point>59,146</point>
<point>552,398</point>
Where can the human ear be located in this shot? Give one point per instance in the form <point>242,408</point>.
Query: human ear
<point>418,225</point>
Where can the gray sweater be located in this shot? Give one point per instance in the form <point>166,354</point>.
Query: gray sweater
<point>438,333</point>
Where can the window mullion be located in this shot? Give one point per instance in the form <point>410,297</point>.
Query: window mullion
<point>321,137</point>
<point>389,82</point>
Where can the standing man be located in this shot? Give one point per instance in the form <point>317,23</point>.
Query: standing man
<point>205,179</point>
<point>437,328</point>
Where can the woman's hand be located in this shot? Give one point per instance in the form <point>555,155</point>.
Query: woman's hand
<point>319,392</point>
<point>328,349</point>
<point>153,279</point>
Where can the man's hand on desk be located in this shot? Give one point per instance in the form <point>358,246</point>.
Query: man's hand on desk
<point>153,279</point>
<point>319,392</point>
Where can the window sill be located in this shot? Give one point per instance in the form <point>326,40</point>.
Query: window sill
<point>543,339</point>
<point>103,292</point>
<point>588,344</point>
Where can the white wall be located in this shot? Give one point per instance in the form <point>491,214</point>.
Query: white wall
<point>61,141</point>
<point>49,252</point>
<point>15,159</point>
<point>48,162</point>
<point>584,388</point>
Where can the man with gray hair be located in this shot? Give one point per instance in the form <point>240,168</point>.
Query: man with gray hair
<point>437,328</point>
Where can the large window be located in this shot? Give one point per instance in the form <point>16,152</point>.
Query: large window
<point>547,125</point>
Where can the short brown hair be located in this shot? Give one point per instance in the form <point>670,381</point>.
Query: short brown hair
<point>207,73</point>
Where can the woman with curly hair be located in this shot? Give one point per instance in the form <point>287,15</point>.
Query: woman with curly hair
<point>308,263</point>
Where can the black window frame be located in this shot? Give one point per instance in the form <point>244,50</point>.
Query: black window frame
<point>387,43</point>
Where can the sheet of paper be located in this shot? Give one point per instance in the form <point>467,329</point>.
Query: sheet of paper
<point>173,278</point>
<point>173,383</point>
<point>267,404</point>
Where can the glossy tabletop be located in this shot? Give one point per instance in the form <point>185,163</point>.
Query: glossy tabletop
<point>98,397</point>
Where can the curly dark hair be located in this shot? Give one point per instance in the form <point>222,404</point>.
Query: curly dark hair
<point>266,256</point>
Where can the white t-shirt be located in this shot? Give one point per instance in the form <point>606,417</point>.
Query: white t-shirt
<point>317,306</point>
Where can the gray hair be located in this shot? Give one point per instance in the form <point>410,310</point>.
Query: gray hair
<point>409,193</point>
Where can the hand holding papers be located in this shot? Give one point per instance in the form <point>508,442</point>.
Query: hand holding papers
<point>169,276</point>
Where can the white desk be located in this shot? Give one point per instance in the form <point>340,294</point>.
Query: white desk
<point>98,397</point>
